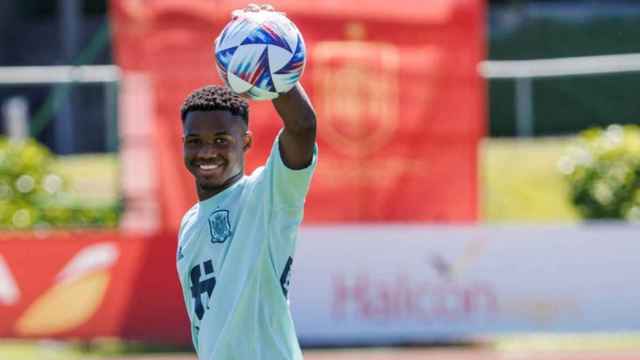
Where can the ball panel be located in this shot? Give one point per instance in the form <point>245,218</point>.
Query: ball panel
<point>246,60</point>
<point>253,67</point>
<point>234,33</point>
<point>287,76</point>
<point>287,31</point>
<point>223,75</point>
<point>223,58</point>
<point>266,34</point>
<point>261,77</point>
<point>284,83</point>
<point>278,57</point>
<point>237,84</point>
<point>296,62</point>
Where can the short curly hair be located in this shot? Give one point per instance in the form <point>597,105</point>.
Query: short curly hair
<point>215,97</point>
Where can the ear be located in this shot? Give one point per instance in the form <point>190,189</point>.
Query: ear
<point>247,140</point>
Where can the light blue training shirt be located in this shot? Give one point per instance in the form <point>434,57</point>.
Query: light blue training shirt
<point>234,260</point>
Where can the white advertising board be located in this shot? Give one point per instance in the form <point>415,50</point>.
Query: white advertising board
<point>403,283</point>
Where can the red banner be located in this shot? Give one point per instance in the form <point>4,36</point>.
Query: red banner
<point>66,284</point>
<point>400,111</point>
<point>400,103</point>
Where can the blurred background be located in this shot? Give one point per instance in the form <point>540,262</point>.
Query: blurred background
<point>496,143</point>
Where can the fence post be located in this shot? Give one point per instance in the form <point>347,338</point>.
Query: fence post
<point>524,107</point>
<point>16,117</point>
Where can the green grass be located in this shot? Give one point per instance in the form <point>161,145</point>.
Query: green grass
<point>593,342</point>
<point>40,350</point>
<point>73,350</point>
<point>519,180</point>
<point>521,343</point>
<point>93,179</point>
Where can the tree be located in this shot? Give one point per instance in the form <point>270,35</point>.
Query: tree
<point>603,170</point>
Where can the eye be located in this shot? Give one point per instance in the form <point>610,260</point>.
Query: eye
<point>193,141</point>
<point>221,141</point>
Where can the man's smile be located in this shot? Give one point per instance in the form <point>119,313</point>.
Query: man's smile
<point>209,167</point>
<point>206,168</point>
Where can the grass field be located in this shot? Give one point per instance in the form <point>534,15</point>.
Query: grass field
<point>93,179</point>
<point>518,180</point>
<point>533,346</point>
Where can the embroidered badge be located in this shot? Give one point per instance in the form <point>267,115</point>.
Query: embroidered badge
<point>220,226</point>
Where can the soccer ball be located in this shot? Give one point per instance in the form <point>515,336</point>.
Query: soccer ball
<point>260,54</point>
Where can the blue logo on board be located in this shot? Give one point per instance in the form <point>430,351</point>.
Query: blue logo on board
<point>220,226</point>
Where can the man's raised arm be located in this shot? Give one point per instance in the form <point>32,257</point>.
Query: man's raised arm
<point>299,135</point>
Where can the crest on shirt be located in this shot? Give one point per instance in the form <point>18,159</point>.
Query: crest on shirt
<point>220,226</point>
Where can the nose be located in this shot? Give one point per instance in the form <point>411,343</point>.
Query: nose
<point>208,151</point>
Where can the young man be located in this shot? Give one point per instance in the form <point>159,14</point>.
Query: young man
<point>236,245</point>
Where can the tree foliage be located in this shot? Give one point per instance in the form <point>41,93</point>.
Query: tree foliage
<point>603,170</point>
<point>34,197</point>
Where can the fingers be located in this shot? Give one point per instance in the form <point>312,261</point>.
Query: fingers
<point>255,7</point>
<point>236,13</point>
<point>252,8</point>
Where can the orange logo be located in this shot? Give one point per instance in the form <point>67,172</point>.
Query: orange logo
<point>76,295</point>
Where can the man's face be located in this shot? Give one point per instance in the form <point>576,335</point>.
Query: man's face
<point>214,147</point>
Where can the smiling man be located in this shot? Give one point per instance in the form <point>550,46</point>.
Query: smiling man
<point>236,244</point>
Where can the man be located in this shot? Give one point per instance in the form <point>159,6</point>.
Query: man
<point>236,245</point>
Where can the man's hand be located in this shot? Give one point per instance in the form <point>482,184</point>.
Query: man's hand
<point>252,8</point>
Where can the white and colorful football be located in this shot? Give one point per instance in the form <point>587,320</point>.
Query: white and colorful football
<point>260,54</point>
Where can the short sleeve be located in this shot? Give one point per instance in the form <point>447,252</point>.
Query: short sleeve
<point>288,187</point>
<point>287,190</point>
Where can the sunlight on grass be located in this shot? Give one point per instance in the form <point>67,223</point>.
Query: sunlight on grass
<point>93,178</point>
<point>99,348</point>
<point>38,350</point>
<point>568,342</point>
<point>519,181</point>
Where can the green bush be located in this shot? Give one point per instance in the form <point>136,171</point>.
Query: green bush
<point>34,197</point>
<point>603,170</point>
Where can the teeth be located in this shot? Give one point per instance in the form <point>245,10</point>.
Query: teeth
<point>209,167</point>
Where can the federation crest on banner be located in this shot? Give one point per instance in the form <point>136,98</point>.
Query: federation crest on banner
<point>357,89</point>
<point>220,226</point>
